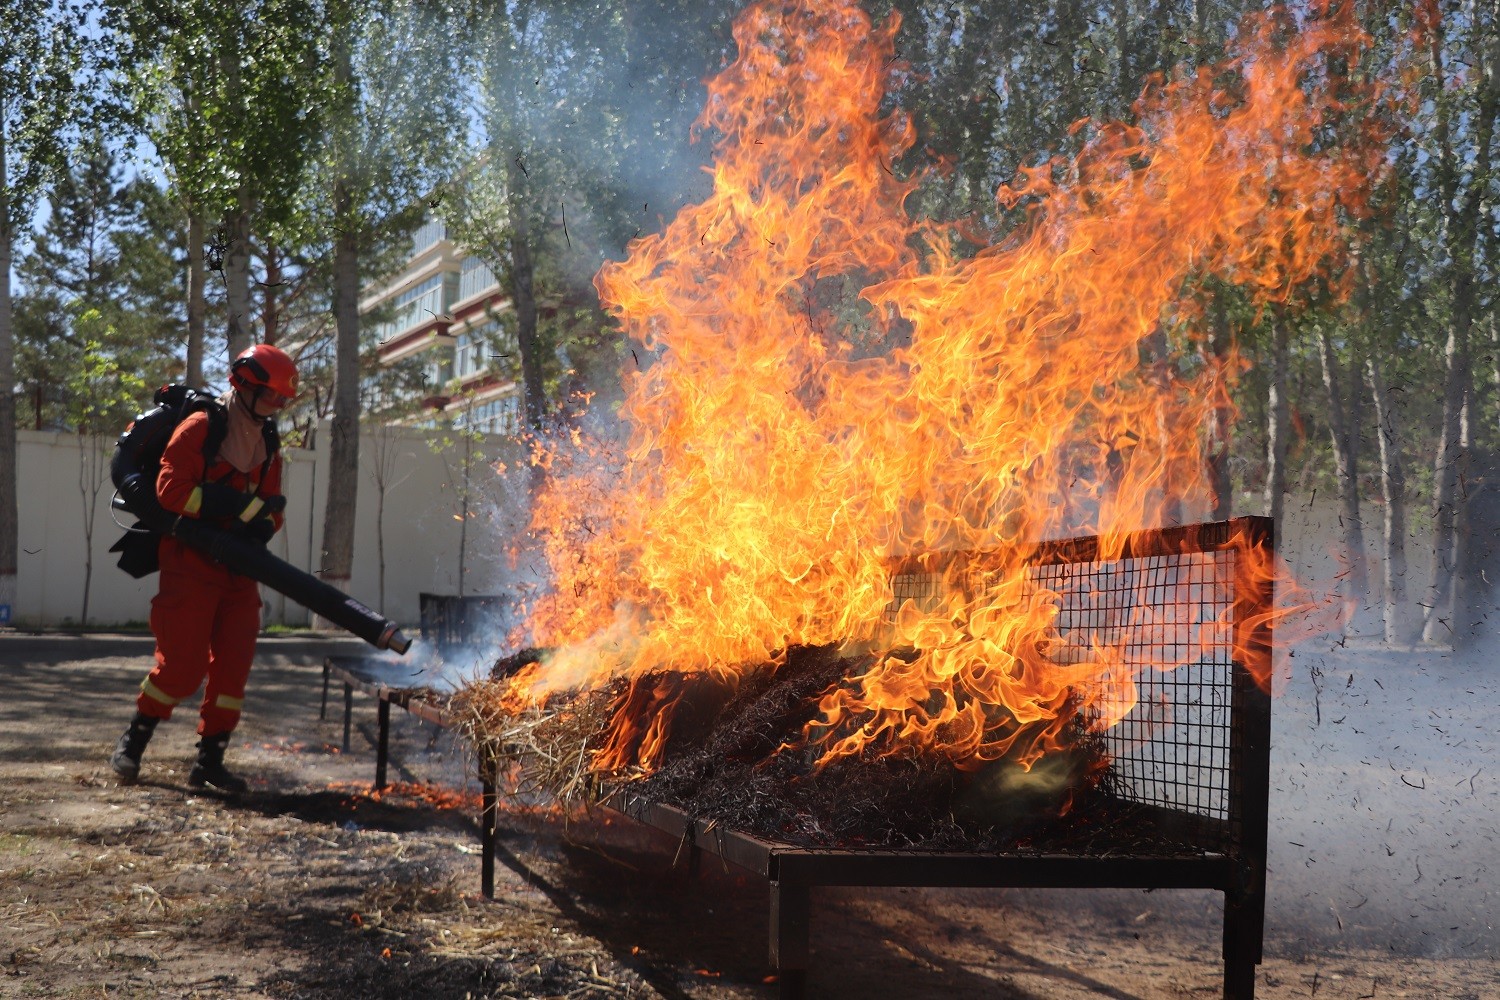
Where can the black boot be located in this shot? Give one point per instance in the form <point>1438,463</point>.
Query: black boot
<point>209,768</point>
<point>126,760</point>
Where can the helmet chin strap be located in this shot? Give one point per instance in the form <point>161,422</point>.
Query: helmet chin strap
<point>254,401</point>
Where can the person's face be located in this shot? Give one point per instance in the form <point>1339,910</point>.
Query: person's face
<point>265,402</point>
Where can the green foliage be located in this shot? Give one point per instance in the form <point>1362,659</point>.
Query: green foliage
<point>103,393</point>
<point>394,113</point>
<point>41,106</point>
<point>572,122</point>
<point>583,112</point>
<point>109,259</point>
<point>222,91</point>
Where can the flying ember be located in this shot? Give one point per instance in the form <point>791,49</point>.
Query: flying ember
<point>829,384</point>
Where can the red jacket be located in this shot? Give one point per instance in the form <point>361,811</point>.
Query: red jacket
<point>179,489</point>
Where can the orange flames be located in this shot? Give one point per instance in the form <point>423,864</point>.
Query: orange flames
<point>829,386</point>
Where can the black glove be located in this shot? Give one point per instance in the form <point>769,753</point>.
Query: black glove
<point>224,501</point>
<point>260,530</point>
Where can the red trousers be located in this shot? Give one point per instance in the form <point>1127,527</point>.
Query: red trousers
<point>205,620</point>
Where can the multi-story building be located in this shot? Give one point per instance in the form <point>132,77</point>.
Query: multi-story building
<point>449,310</point>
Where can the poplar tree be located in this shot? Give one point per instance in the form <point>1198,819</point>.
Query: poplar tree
<point>41,55</point>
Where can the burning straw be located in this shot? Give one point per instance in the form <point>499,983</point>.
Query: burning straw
<point>545,749</point>
<point>735,754</point>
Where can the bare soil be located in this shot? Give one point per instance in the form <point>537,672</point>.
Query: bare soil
<point>311,886</point>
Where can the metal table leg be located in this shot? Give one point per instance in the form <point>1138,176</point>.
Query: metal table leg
<point>1242,939</point>
<point>382,745</point>
<point>488,816</point>
<point>348,711</point>
<point>791,904</point>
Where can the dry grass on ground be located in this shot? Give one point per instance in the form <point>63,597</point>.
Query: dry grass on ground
<point>311,887</point>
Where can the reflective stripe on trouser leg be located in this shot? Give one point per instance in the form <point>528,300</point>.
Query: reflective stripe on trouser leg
<point>236,624</point>
<point>156,694</point>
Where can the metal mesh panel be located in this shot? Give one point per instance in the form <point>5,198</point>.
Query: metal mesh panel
<point>1168,617</point>
<point>1169,620</point>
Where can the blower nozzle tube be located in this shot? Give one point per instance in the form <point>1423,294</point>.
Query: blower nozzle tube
<point>255,562</point>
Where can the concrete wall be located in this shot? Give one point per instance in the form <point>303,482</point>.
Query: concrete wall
<point>421,533</point>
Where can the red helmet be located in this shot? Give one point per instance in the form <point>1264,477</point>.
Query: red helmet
<point>265,367</point>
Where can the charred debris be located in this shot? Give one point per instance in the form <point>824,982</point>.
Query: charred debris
<point>736,753</point>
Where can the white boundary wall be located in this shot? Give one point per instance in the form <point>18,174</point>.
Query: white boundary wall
<point>422,532</point>
<point>421,528</point>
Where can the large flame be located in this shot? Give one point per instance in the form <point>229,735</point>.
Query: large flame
<point>828,385</point>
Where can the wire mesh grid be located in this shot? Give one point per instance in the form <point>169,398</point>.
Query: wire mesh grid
<point>1166,621</point>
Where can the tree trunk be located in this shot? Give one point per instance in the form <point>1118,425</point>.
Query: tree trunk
<point>1494,326</point>
<point>1277,422</point>
<point>90,481</point>
<point>380,543</point>
<point>1346,465</point>
<point>1438,605</point>
<point>385,446</point>
<point>1393,492</point>
<point>1122,42</point>
<point>1462,589</point>
<point>523,296</point>
<point>1462,184</point>
<point>343,449</point>
<point>237,276</point>
<point>1221,427</point>
<point>270,310</point>
<point>197,304</point>
<point>9,512</point>
<point>463,501</point>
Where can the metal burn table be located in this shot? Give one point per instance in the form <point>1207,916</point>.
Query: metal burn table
<point>392,684</point>
<point>1191,761</point>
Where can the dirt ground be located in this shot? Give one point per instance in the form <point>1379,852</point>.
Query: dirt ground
<point>310,886</point>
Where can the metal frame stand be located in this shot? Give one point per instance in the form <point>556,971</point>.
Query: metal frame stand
<point>348,671</point>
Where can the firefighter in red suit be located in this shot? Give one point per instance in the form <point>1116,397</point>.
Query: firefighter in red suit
<point>206,618</point>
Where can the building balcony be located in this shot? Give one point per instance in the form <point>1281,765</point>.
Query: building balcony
<point>414,340</point>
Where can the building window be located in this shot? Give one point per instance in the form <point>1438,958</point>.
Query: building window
<point>494,416</point>
<point>469,351</point>
<point>419,304</point>
<point>373,395</point>
<point>439,369</point>
<point>476,278</point>
<point>427,234</point>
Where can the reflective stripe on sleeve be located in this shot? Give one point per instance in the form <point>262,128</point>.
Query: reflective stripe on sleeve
<point>194,501</point>
<point>251,509</point>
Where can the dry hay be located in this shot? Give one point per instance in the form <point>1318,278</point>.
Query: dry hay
<point>736,753</point>
<point>408,895</point>
<point>543,752</point>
